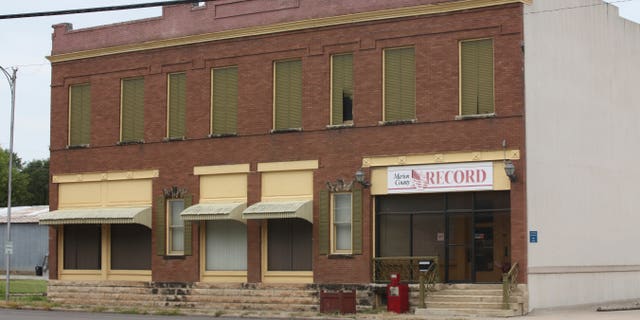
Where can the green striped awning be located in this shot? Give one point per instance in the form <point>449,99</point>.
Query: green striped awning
<point>139,215</point>
<point>214,211</point>
<point>280,210</point>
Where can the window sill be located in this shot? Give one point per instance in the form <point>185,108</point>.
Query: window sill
<point>78,146</point>
<point>169,139</point>
<point>174,256</point>
<point>222,135</point>
<point>476,116</point>
<point>397,122</point>
<point>286,130</point>
<point>128,142</point>
<point>340,126</point>
<point>340,256</point>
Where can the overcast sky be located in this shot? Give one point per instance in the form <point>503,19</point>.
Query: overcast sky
<point>26,42</point>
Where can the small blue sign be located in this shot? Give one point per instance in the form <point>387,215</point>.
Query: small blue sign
<point>533,236</point>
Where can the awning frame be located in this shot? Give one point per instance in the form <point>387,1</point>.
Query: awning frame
<point>302,209</point>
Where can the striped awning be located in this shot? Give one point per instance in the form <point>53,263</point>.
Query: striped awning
<point>139,215</point>
<point>280,210</point>
<point>214,211</point>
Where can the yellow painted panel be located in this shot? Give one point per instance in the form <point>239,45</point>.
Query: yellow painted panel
<point>128,192</point>
<point>287,185</point>
<point>432,158</point>
<point>223,169</point>
<point>129,275</point>
<point>379,181</point>
<point>288,165</point>
<point>78,195</point>
<point>288,277</point>
<point>102,176</point>
<point>80,275</point>
<point>500,179</point>
<point>224,276</point>
<point>223,187</point>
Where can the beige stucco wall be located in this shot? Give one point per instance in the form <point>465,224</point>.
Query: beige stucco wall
<point>582,66</point>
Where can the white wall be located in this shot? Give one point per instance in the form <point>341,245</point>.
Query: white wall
<point>582,73</point>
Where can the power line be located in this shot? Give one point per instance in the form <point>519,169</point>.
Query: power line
<point>99,9</point>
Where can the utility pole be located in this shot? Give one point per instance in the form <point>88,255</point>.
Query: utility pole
<point>8,249</point>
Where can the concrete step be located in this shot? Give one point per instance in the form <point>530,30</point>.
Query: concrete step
<point>466,312</point>
<point>252,292</point>
<point>471,298</point>
<point>465,304</point>
<point>255,299</point>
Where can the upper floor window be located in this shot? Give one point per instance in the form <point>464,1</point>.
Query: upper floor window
<point>342,89</point>
<point>177,100</point>
<point>224,105</point>
<point>80,114</point>
<point>476,73</point>
<point>399,84</point>
<point>288,95</point>
<point>132,113</point>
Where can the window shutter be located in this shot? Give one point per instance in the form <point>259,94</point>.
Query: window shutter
<point>288,95</point>
<point>80,115</point>
<point>399,84</point>
<point>324,222</point>
<point>357,221</point>
<point>132,109</point>
<point>160,227</point>
<point>225,100</point>
<point>485,76</point>
<point>188,228</point>
<point>341,84</point>
<point>177,104</point>
<point>476,60</point>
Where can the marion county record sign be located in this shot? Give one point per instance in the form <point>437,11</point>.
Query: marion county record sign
<point>440,178</point>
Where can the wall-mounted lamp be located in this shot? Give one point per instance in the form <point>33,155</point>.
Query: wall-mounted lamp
<point>510,170</point>
<point>509,167</point>
<point>360,178</point>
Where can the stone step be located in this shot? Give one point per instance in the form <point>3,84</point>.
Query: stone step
<point>473,305</point>
<point>472,298</point>
<point>466,312</point>
<point>91,302</point>
<point>256,299</point>
<point>258,307</point>
<point>129,290</point>
<point>252,292</point>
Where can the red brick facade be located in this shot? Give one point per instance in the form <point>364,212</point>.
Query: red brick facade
<point>339,151</point>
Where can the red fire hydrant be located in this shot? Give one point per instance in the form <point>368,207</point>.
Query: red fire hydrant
<point>397,295</point>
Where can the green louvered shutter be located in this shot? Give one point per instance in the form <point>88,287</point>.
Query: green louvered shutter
<point>132,109</point>
<point>399,84</point>
<point>324,221</point>
<point>80,115</point>
<point>188,228</point>
<point>476,60</point>
<point>177,105</point>
<point>341,85</point>
<point>356,221</point>
<point>288,95</point>
<point>225,100</point>
<point>160,227</point>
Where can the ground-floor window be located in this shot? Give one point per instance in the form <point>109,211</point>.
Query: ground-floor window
<point>82,246</point>
<point>226,246</point>
<point>130,247</point>
<point>289,243</point>
<point>468,232</point>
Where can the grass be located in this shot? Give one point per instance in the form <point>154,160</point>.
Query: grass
<point>24,287</point>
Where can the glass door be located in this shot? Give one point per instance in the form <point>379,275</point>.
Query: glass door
<point>459,248</point>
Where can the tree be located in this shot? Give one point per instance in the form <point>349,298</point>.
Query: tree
<point>38,172</point>
<point>20,181</point>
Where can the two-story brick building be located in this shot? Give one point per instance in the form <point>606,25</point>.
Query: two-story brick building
<point>220,143</point>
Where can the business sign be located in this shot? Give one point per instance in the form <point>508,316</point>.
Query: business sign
<point>440,178</point>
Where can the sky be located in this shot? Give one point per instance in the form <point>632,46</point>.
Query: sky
<point>26,42</point>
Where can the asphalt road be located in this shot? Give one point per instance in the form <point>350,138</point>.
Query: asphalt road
<point>11,314</point>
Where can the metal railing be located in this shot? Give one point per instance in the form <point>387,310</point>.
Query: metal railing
<point>405,267</point>
<point>428,280</point>
<point>509,282</point>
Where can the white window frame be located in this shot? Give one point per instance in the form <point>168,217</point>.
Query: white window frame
<point>335,224</point>
<point>170,229</point>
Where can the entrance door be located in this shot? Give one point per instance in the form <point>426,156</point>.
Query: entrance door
<point>459,248</point>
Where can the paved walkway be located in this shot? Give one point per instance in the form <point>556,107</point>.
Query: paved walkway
<point>582,313</point>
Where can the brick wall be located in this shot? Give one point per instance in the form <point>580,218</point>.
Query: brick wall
<point>339,152</point>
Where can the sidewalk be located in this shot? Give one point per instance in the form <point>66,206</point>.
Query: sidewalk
<point>587,312</point>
